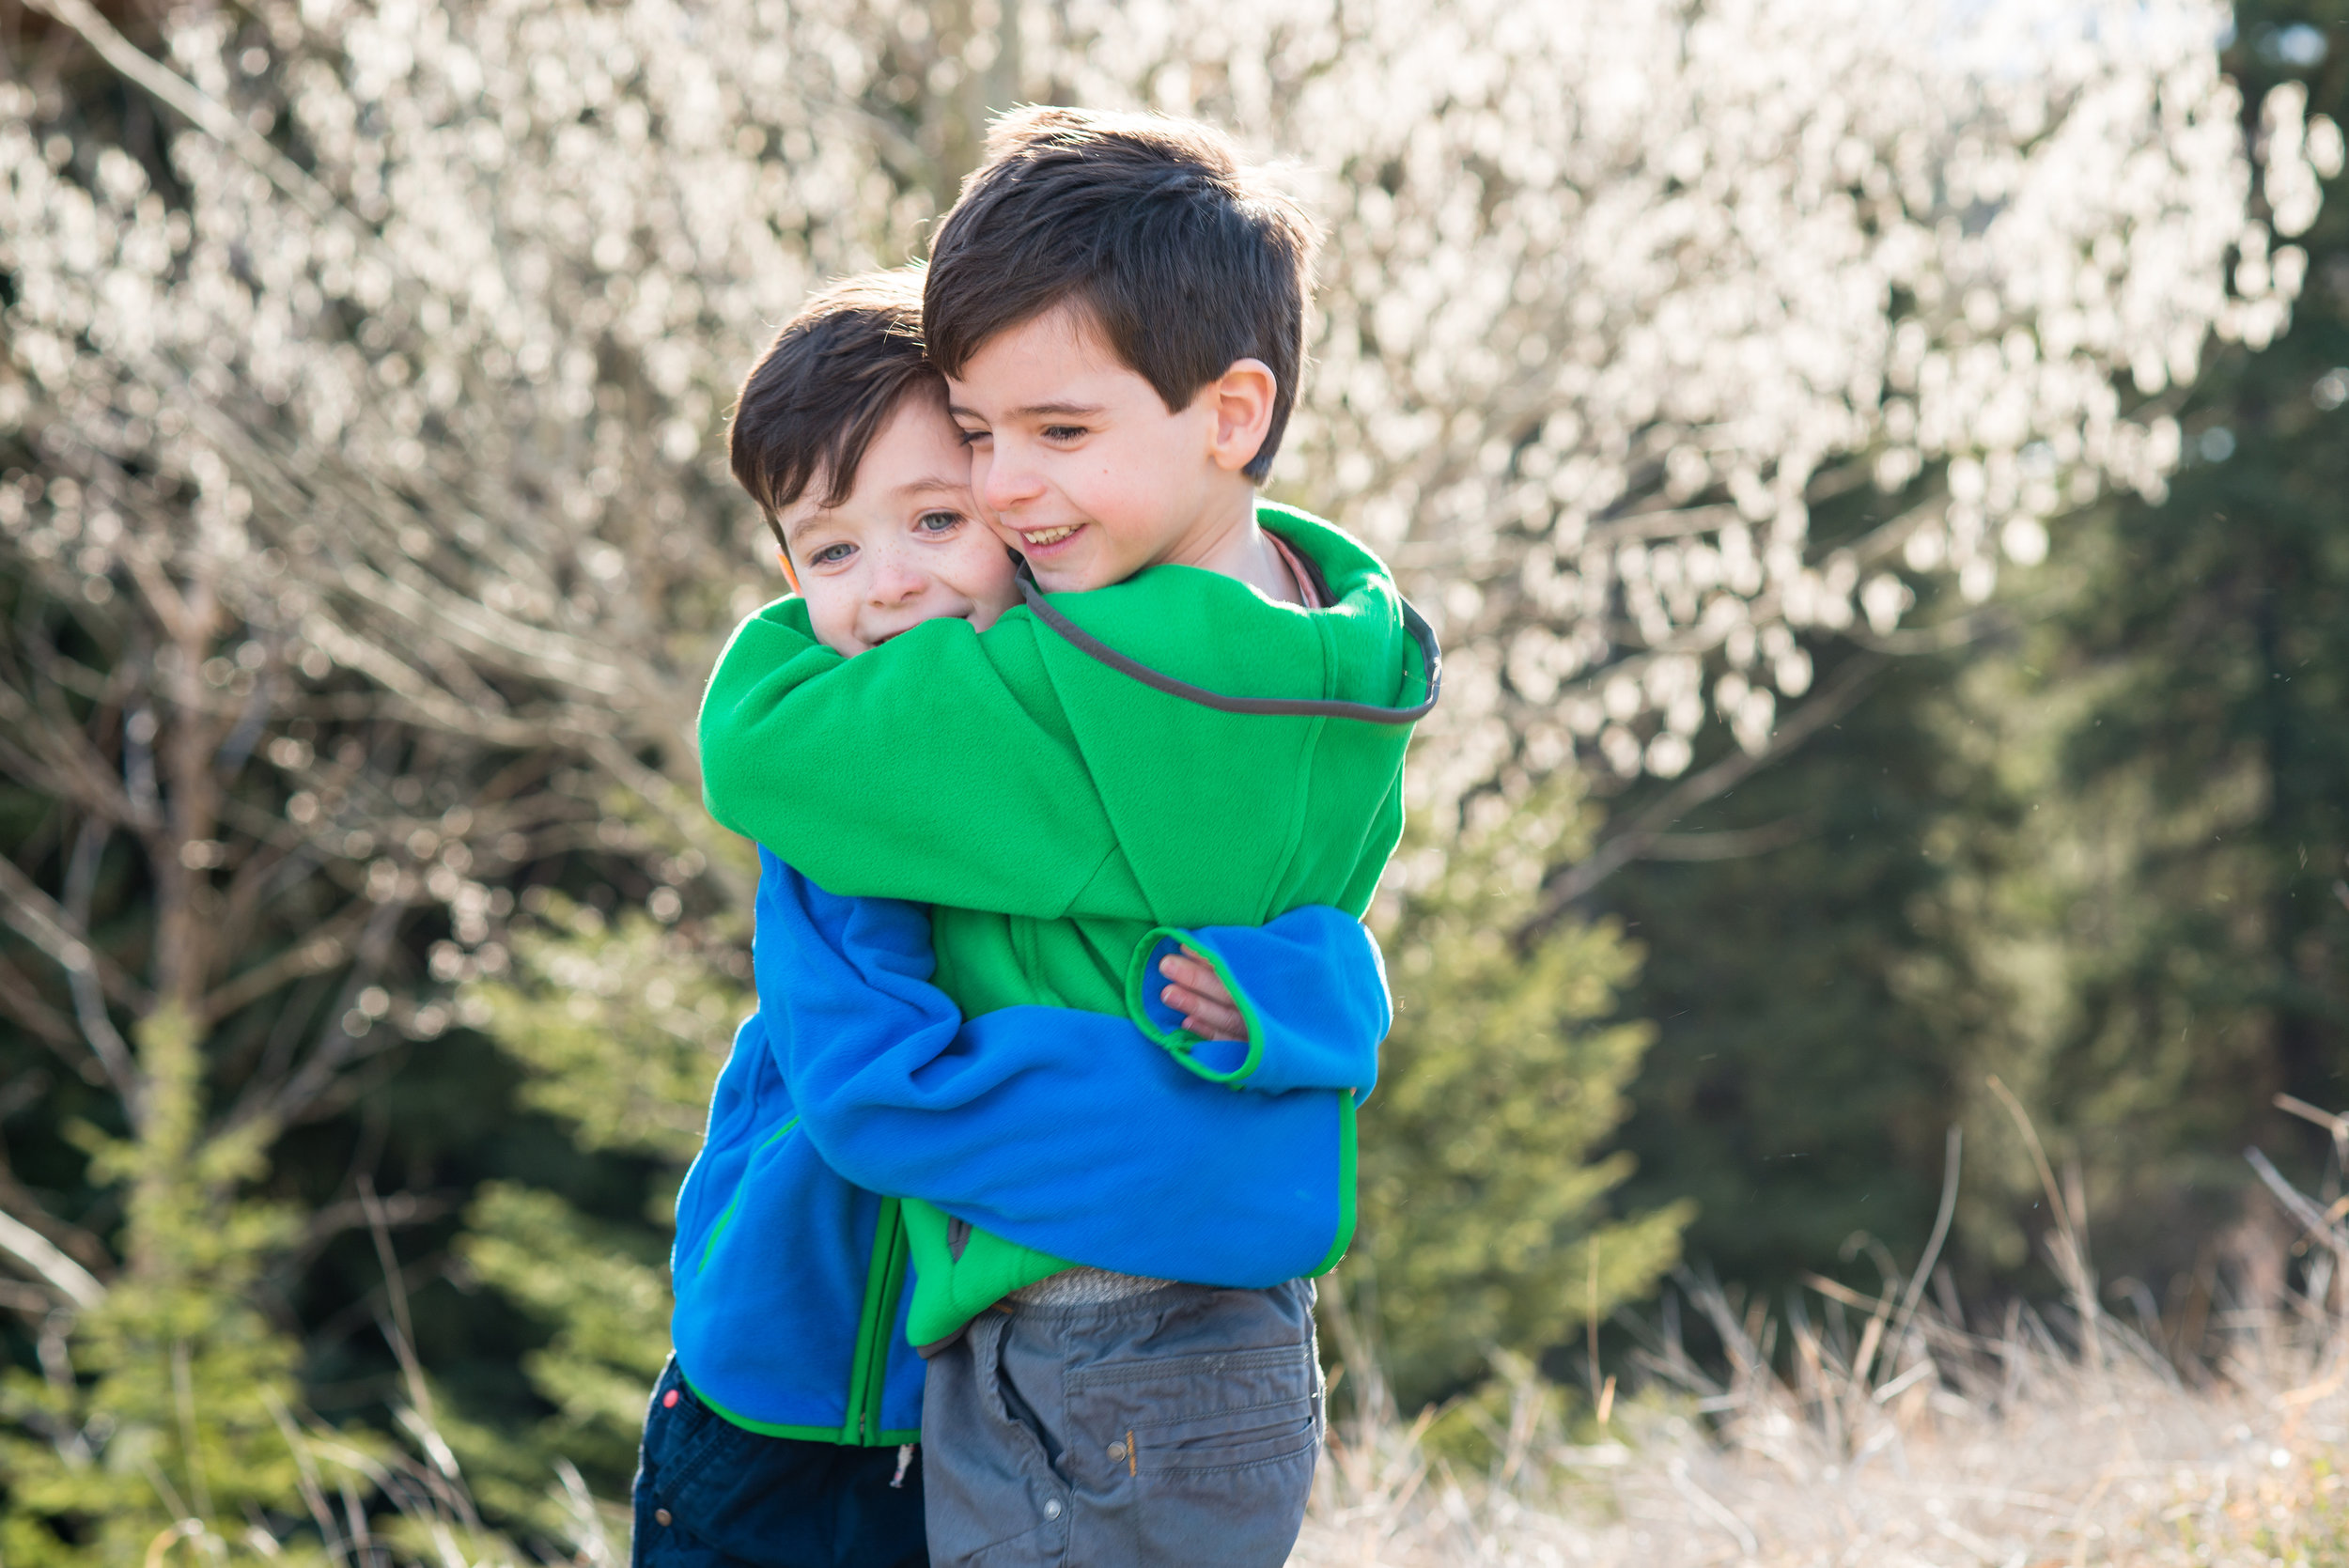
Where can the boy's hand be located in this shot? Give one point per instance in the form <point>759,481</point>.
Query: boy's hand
<point>1198,993</point>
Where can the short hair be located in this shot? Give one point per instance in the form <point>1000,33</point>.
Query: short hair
<point>1185,260</point>
<point>824,387</point>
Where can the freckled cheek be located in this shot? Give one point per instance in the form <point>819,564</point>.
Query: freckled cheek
<point>982,574</point>
<point>831,611</point>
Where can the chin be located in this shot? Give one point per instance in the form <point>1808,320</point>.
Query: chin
<point>1067,577</point>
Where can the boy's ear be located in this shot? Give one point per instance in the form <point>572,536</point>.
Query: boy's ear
<point>1242,399</point>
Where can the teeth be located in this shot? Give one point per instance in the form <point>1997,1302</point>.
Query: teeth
<point>1050,536</point>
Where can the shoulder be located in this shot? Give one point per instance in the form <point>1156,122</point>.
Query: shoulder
<point>772,635</point>
<point>790,906</point>
<point>1373,657</point>
<point>785,617</point>
<point>1220,634</point>
<point>1348,565</point>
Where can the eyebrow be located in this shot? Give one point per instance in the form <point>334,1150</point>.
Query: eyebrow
<point>929,482</point>
<point>1035,410</point>
<point>932,482</point>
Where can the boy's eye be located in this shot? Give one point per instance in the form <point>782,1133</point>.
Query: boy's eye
<point>972,437</point>
<point>1063,432</point>
<point>937,522</point>
<point>830,555</point>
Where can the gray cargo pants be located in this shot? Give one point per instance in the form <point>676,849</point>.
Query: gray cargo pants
<point>1176,1427</point>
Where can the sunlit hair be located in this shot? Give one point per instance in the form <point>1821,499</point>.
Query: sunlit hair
<point>1183,259</point>
<point>824,387</point>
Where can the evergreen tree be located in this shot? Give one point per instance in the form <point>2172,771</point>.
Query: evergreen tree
<point>1488,1223</point>
<point>619,1028</point>
<point>2103,857</point>
<point>1810,1014</point>
<point>2173,918</point>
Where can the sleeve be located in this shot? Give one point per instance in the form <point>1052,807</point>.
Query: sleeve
<point>1311,986</point>
<point>795,752</point>
<point>1062,1130</point>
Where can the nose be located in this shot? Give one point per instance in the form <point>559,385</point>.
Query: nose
<point>1005,480</point>
<point>894,580</point>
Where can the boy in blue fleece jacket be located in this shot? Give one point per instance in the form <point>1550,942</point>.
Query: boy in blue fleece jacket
<point>781,1433</point>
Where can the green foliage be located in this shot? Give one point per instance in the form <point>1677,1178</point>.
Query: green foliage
<point>169,1400</point>
<point>2168,911</point>
<point>2197,870</point>
<point>1815,1016</point>
<point>2106,856</point>
<point>620,1028</point>
<point>621,1031</point>
<point>602,1291</point>
<point>2164,907</point>
<point>1485,1213</point>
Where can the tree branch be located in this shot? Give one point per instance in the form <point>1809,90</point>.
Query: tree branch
<point>1635,838</point>
<point>1733,843</point>
<point>89,1007</point>
<point>24,1004</point>
<point>284,1103</point>
<point>215,119</point>
<point>36,1252</point>
<point>314,955</point>
<point>38,919</point>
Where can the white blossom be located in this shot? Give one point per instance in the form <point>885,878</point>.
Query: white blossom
<point>1660,344</point>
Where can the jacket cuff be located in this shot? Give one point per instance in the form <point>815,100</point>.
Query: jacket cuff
<point>1231,1063</point>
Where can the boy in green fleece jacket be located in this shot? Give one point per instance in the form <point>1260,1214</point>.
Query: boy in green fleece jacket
<point>1197,718</point>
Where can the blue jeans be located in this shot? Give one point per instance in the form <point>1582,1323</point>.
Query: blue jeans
<point>710,1495</point>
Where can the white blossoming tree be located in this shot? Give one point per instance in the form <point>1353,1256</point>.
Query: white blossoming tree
<point>364,366</point>
<point>1617,296</point>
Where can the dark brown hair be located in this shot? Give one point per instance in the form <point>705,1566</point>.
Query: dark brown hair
<point>1184,260</point>
<point>821,393</point>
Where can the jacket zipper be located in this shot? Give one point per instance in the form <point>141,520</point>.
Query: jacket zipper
<point>884,1285</point>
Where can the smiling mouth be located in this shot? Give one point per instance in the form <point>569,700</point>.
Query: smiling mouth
<point>1043,537</point>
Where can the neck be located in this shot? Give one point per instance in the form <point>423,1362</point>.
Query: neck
<point>1227,541</point>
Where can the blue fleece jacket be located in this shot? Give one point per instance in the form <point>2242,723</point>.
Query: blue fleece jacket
<point>1114,1142</point>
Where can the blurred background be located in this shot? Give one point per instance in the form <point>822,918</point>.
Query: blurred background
<point>1878,470</point>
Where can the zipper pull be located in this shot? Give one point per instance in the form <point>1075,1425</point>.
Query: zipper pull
<point>905,1457</point>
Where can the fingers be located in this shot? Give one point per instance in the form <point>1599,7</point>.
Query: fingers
<point>1195,990</point>
<point>1187,970</point>
<point>1206,1016</point>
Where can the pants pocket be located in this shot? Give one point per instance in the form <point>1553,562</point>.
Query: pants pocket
<point>991,1493</point>
<point>1196,1459</point>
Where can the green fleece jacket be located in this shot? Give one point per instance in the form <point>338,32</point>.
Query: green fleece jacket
<point>1056,811</point>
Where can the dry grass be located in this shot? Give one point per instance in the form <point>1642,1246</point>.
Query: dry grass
<point>2014,1452</point>
<point>1887,1432</point>
<point>2034,1447</point>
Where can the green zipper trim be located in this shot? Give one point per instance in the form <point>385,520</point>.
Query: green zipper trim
<point>868,1371</point>
<point>1346,1185</point>
<point>726,1217</point>
<point>868,1367</point>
